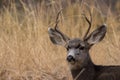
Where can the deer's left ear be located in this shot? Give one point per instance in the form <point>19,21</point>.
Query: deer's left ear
<point>97,35</point>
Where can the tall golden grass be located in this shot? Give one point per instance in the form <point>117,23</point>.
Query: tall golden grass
<point>26,52</point>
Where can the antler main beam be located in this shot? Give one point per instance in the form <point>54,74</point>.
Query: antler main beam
<point>89,22</point>
<point>57,29</point>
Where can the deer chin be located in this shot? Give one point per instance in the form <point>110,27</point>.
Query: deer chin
<point>72,62</point>
<point>75,64</point>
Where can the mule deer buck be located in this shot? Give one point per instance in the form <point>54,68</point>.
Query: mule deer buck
<point>78,58</point>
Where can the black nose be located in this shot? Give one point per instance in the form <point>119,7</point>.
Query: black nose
<point>70,58</point>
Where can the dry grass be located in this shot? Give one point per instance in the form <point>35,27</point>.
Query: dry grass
<point>26,52</point>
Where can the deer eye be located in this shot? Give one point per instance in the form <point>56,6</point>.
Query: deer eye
<point>81,47</point>
<point>68,48</point>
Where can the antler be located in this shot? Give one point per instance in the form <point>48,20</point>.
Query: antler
<point>57,21</point>
<point>57,29</point>
<point>89,22</point>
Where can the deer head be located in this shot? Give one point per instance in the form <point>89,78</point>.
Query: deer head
<point>77,49</point>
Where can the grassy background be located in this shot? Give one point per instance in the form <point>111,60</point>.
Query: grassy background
<point>26,52</point>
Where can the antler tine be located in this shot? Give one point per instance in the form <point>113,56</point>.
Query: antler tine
<point>89,22</point>
<point>57,21</point>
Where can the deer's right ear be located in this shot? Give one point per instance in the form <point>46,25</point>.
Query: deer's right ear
<point>57,37</point>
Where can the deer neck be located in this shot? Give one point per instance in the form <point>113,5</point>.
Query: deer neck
<point>87,71</point>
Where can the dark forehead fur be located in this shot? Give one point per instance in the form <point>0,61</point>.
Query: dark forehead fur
<point>75,42</point>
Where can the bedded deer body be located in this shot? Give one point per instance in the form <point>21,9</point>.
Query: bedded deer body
<point>78,58</point>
